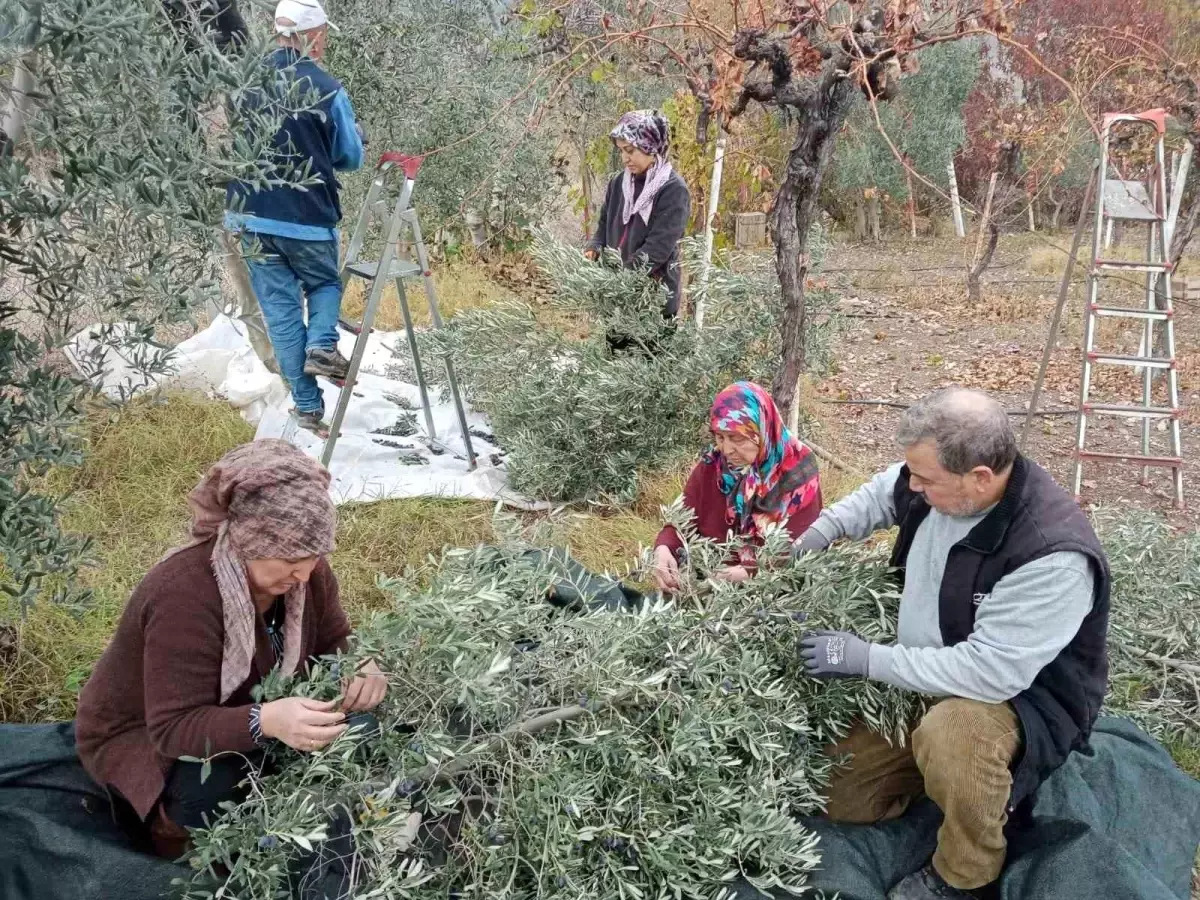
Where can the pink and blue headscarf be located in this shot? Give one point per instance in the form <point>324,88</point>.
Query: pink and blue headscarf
<point>782,479</point>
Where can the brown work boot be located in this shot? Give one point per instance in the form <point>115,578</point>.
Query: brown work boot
<point>927,884</point>
<point>326,361</point>
<point>312,421</point>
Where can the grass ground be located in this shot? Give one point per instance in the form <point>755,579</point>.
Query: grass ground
<point>459,287</point>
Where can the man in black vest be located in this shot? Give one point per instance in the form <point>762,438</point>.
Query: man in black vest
<point>1004,613</point>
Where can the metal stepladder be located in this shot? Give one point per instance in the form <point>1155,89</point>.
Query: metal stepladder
<point>402,226</point>
<point>1145,203</point>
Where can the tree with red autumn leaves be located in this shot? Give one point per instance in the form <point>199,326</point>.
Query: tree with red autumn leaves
<point>806,58</point>
<point>1067,63</point>
<point>1061,60</point>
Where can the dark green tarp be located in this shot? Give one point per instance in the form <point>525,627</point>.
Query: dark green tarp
<point>1122,823</point>
<point>58,840</point>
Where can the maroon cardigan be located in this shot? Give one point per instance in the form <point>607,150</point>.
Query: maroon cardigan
<point>154,695</point>
<point>702,495</point>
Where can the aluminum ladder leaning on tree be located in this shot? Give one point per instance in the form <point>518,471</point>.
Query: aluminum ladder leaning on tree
<point>1137,202</point>
<point>402,226</point>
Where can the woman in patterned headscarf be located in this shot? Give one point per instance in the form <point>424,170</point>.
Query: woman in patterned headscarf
<point>249,592</point>
<point>754,475</point>
<point>646,207</point>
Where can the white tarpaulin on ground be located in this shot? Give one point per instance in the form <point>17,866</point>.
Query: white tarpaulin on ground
<point>383,451</point>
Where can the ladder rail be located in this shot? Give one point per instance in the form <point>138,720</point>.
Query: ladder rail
<point>436,317</point>
<point>411,332</point>
<point>1153,234</point>
<point>1089,327</point>
<point>359,235</point>
<point>1166,235</point>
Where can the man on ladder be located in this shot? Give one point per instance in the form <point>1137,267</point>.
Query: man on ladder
<point>290,236</point>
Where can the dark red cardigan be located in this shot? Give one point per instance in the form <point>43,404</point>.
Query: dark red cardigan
<point>154,695</point>
<point>702,495</point>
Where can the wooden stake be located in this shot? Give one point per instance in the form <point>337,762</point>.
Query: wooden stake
<point>912,206</point>
<point>714,195</point>
<point>1063,289</point>
<point>955,204</point>
<point>835,461</point>
<point>13,118</point>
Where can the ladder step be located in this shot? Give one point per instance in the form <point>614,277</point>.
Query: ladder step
<point>369,269</point>
<point>1121,312</point>
<point>1165,462</point>
<point>1151,362</point>
<point>1133,265</point>
<point>1137,412</point>
<point>354,328</point>
<point>1128,201</point>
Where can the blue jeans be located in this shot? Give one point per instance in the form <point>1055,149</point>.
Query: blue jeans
<point>283,268</point>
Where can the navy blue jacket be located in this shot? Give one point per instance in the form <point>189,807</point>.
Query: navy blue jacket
<point>321,139</point>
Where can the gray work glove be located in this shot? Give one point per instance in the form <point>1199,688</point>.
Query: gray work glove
<point>834,654</point>
<point>809,542</point>
<point>362,133</point>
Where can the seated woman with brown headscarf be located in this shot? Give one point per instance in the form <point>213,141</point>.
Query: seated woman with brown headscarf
<point>754,475</point>
<point>251,591</point>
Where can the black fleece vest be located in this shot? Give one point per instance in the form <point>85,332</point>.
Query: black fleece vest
<point>1035,517</point>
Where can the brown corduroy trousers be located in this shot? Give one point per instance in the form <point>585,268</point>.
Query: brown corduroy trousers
<point>960,755</point>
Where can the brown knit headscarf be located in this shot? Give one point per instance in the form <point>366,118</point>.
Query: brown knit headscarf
<point>262,500</point>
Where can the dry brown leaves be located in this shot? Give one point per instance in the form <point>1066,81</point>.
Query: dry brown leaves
<point>902,19</point>
<point>995,17</point>
<point>726,85</point>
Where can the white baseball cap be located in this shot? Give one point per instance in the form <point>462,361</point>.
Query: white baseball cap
<point>306,14</point>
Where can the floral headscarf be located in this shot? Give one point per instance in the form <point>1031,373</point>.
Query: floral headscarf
<point>646,129</point>
<point>783,479</point>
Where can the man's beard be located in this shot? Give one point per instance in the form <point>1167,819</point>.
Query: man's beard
<point>962,509</point>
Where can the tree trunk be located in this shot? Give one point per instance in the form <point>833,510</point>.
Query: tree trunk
<point>249,312</point>
<point>955,204</point>
<point>873,205</point>
<point>982,257</point>
<point>860,218</point>
<point>1057,211</point>
<point>13,119</point>
<point>714,198</point>
<point>794,212</point>
<point>1185,227</point>
<point>585,186</point>
<point>981,264</point>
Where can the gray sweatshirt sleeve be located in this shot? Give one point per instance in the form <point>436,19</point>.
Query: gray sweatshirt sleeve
<point>858,516</point>
<point>1029,617</point>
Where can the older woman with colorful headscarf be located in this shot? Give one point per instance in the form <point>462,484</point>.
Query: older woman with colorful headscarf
<point>646,207</point>
<point>251,591</point>
<point>755,474</point>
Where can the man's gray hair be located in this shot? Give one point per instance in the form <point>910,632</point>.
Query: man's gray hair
<point>968,427</point>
